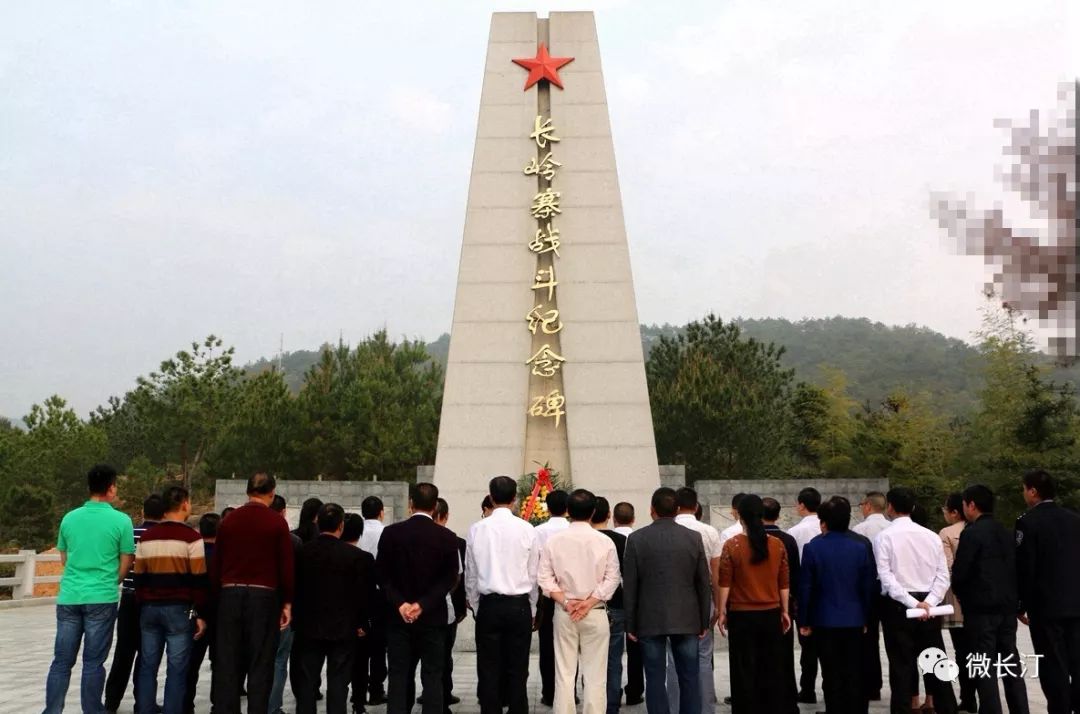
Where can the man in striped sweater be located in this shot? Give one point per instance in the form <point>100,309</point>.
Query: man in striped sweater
<point>171,585</point>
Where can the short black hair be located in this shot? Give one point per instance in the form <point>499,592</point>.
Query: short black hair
<point>208,525</point>
<point>226,511</point>
<point>902,500</point>
<point>736,498</point>
<point>503,491</point>
<point>153,507</point>
<point>371,507</point>
<point>261,483</point>
<point>664,502</point>
<point>770,509</point>
<point>836,514</point>
<point>557,502</point>
<point>354,527</point>
<point>810,498</point>
<point>309,511</point>
<point>955,502</point>
<point>424,496</point>
<point>603,510</point>
<point>623,513</point>
<point>980,496</point>
<point>581,505</point>
<point>278,504</point>
<point>100,478</point>
<point>173,498</point>
<point>330,517</point>
<point>686,498</point>
<point>1042,482</point>
<point>442,508</point>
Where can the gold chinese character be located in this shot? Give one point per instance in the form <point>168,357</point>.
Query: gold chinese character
<point>548,322</point>
<point>546,362</point>
<point>550,406</point>
<point>546,241</point>
<point>546,204</point>
<point>543,132</point>
<point>545,167</point>
<point>545,278</point>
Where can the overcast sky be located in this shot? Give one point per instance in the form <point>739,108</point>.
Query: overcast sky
<point>168,170</point>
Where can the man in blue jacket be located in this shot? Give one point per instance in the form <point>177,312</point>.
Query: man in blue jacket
<point>836,590</point>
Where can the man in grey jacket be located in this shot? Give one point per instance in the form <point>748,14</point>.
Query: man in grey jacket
<point>667,593</point>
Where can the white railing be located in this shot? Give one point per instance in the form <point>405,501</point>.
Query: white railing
<point>25,576</point>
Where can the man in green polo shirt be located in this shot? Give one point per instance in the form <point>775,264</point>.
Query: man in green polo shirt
<point>97,548</point>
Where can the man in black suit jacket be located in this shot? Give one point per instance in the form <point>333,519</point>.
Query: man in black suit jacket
<point>333,594</point>
<point>984,581</point>
<point>769,517</point>
<point>418,565</point>
<point>667,594</point>
<point>1047,553</point>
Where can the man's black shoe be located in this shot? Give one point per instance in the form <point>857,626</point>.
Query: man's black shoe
<point>376,698</point>
<point>807,698</point>
<point>453,700</point>
<point>875,696</point>
<point>635,701</point>
<point>547,702</point>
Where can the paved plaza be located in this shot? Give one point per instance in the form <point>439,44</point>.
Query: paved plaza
<point>26,650</point>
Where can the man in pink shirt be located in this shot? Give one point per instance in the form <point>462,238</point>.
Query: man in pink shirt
<point>579,571</point>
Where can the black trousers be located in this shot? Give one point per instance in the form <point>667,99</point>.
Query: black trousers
<point>310,654</point>
<point>247,639</point>
<point>904,640</point>
<point>375,649</point>
<point>787,675</point>
<point>545,610</point>
<point>756,661</point>
<point>635,671</point>
<point>840,649</point>
<point>406,646</point>
<point>992,636</point>
<point>503,636</point>
<point>1058,641</point>
<point>448,665</point>
<point>125,652</point>
<point>808,660</point>
<point>199,648</point>
<point>872,651</point>
<point>961,643</point>
<point>358,698</point>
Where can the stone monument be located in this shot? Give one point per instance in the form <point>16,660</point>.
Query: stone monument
<point>545,363</point>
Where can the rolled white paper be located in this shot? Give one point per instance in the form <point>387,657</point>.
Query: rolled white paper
<point>915,613</point>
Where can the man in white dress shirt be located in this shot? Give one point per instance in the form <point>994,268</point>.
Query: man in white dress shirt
<point>623,516</point>
<point>914,574</point>
<point>371,508</point>
<point>502,559</point>
<point>557,522</point>
<point>687,517</point>
<point>803,532</point>
<point>579,572</point>
<point>735,528</point>
<point>874,521</point>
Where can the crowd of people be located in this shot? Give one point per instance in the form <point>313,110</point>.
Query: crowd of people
<point>344,603</point>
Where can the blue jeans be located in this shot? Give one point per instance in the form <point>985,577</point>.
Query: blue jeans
<point>281,670</point>
<point>617,624</point>
<point>163,626</point>
<point>74,624</point>
<point>684,650</point>
<point>705,677</point>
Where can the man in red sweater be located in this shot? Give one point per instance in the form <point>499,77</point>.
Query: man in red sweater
<point>252,575</point>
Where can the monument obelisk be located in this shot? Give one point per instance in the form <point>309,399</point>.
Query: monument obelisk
<point>545,362</point>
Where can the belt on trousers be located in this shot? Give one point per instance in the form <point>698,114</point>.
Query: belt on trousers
<point>497,596</point>
<point>246,585</point>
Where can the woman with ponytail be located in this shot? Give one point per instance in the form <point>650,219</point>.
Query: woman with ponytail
<point>754,612</point>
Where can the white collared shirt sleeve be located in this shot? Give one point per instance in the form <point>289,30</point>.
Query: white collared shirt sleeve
<point>545,576</point>
<point>942,579</point>
<point>472,582</point>
<point>533,570</point>
<point>883,553</point>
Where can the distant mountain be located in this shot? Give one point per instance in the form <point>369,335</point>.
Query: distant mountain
<point>876,358</point>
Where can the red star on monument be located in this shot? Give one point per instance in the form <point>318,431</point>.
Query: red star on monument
<point>543,66</point>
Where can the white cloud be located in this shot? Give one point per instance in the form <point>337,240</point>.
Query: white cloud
<point>420,109</point>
